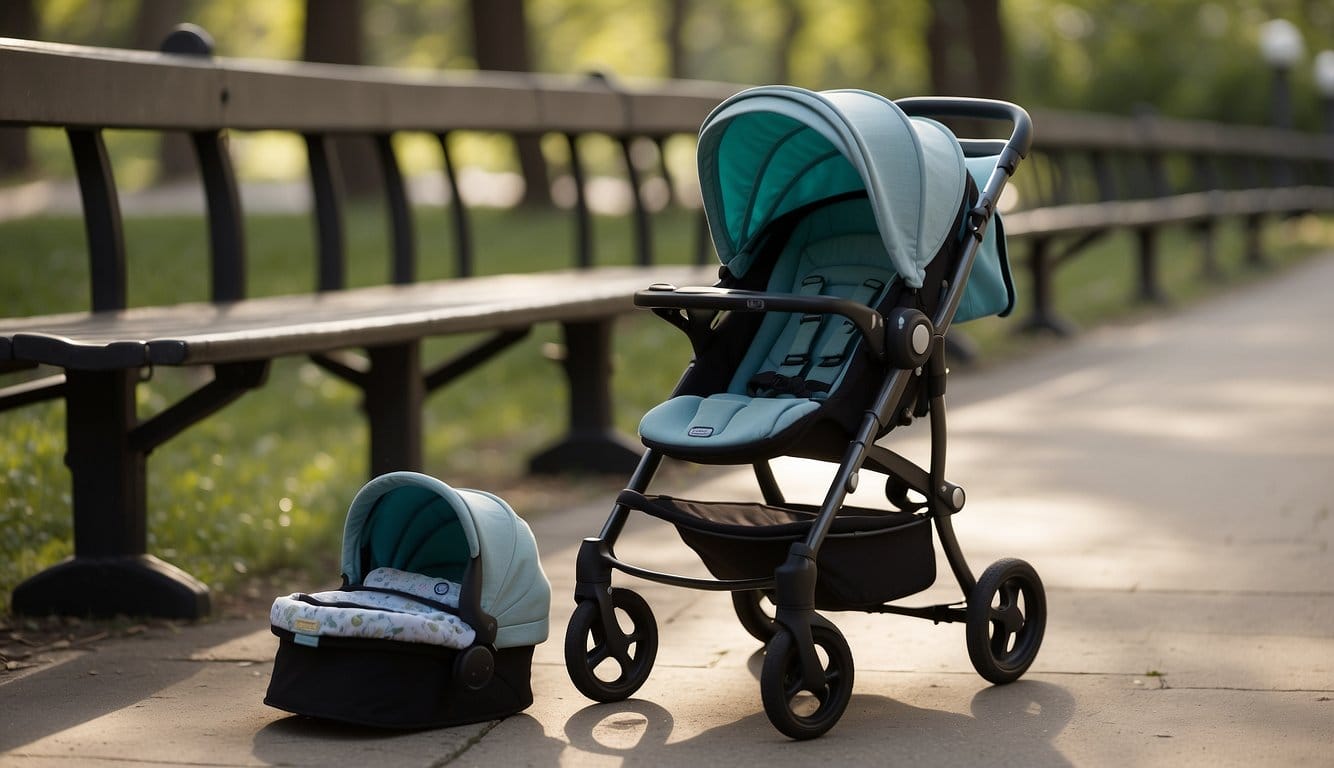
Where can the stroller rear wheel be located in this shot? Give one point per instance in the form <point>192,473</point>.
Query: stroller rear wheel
<point>754,616</point>
<point>1007,614</point>
<point>801,713</point>
<point>593,650</point>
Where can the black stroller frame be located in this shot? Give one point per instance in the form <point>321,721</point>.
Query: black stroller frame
<point>1004,610</point>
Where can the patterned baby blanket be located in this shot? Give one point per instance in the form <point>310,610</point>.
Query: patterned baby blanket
<point>398,614</point>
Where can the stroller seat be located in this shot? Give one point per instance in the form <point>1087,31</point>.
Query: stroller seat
<point>794,361</point>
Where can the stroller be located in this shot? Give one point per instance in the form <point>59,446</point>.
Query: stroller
<point>851,233</point>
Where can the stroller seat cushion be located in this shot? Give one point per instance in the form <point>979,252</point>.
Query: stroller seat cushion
<point>795,362</point>
<point>721,421</point>
<point>377,615</point>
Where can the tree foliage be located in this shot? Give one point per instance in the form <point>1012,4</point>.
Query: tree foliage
<point>1181,57</point>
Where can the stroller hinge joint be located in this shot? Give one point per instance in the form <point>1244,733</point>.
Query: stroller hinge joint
<point>591,568</point>
<point>794,580</point>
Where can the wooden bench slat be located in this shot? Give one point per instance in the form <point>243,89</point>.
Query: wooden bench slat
<point>269,327</point>
<point>1176,209</point>
<point>53,84</point>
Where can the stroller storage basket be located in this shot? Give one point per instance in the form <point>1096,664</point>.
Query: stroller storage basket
<point>870,556</point>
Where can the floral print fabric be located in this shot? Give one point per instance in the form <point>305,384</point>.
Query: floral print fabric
<point>439,590</point>
<point>378,615</point>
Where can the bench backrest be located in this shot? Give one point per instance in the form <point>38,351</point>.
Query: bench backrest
<point>88,90</point>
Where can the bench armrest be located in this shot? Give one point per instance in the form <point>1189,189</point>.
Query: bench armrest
<point>866,319</point>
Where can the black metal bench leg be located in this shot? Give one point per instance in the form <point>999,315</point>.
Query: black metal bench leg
<point>592,444</point>
<point>1043,318</point>
<point>110,572</point>
<point>394,391</point>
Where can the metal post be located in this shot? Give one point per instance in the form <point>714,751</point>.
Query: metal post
<point>394,392</point>
<point>110,572</point>
<point>1324,82</point>
<point>1281,47</point>
<point>592,444</point>
<point>1282,118</point>
<point>1150,291</point>
<point>1043,317</point>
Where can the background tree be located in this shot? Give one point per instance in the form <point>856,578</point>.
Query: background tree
<point>332,34</point>
<point>152,23</point>
<point>677,65</point>
<point>987,42</point>
<point>790,23</point>
<point>18,18</point>
<point>500,42</point>
<point>1184,58</point>
<point>967,50</point>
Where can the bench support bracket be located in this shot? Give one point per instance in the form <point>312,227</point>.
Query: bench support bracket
<point>592,444</point>
<point>107,454</point>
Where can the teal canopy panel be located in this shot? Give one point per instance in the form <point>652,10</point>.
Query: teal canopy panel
<point>414,522</point>
<point>770,150</point>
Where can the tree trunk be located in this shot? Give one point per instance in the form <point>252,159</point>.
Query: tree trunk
<point>500,42</point>
<point>967,50</point>
<point>333,35</point>
<point>154,21</point>
<point>18,18</point>
<point>677,13</point>
<point>986,39</point>
<point>947,71</point>
<point>787,38</point>
<point>880,16</point>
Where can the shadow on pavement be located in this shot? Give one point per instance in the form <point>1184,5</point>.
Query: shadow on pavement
<point>87,685</point>
<point>1020,720</point>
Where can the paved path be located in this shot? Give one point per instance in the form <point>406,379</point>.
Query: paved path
<point>1172,481</point>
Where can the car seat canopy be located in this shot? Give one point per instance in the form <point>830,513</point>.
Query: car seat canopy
<point>771,150</point>
<point>414,522</point>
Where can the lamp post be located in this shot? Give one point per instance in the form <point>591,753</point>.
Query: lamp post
<point>1281,46</point>
<point>1324,82</point>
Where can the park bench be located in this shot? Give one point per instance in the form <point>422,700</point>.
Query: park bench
<point>1090,175</point>
<point>103,352</point>
<point>1097,174</point>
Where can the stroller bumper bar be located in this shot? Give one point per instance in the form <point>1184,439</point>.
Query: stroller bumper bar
<point>867,320</point>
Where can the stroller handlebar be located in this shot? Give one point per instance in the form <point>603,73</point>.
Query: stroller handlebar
<point>1021,133</point>
<point>1008,153</point>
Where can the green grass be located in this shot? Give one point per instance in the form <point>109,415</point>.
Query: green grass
<point>264,484</point>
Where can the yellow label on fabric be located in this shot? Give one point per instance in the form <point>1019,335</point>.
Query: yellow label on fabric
<point>306,625</point>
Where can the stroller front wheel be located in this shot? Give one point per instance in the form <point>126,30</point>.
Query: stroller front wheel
<point>593,650</point>
<point>1006,617</point>
<point>793,708</point>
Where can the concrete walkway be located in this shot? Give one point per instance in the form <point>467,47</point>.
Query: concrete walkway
<point>1172,482</point>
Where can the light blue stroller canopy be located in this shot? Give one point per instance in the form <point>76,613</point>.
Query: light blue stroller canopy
<point>416,523</point>
<point>872,196</point>
<point>772,150</point>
